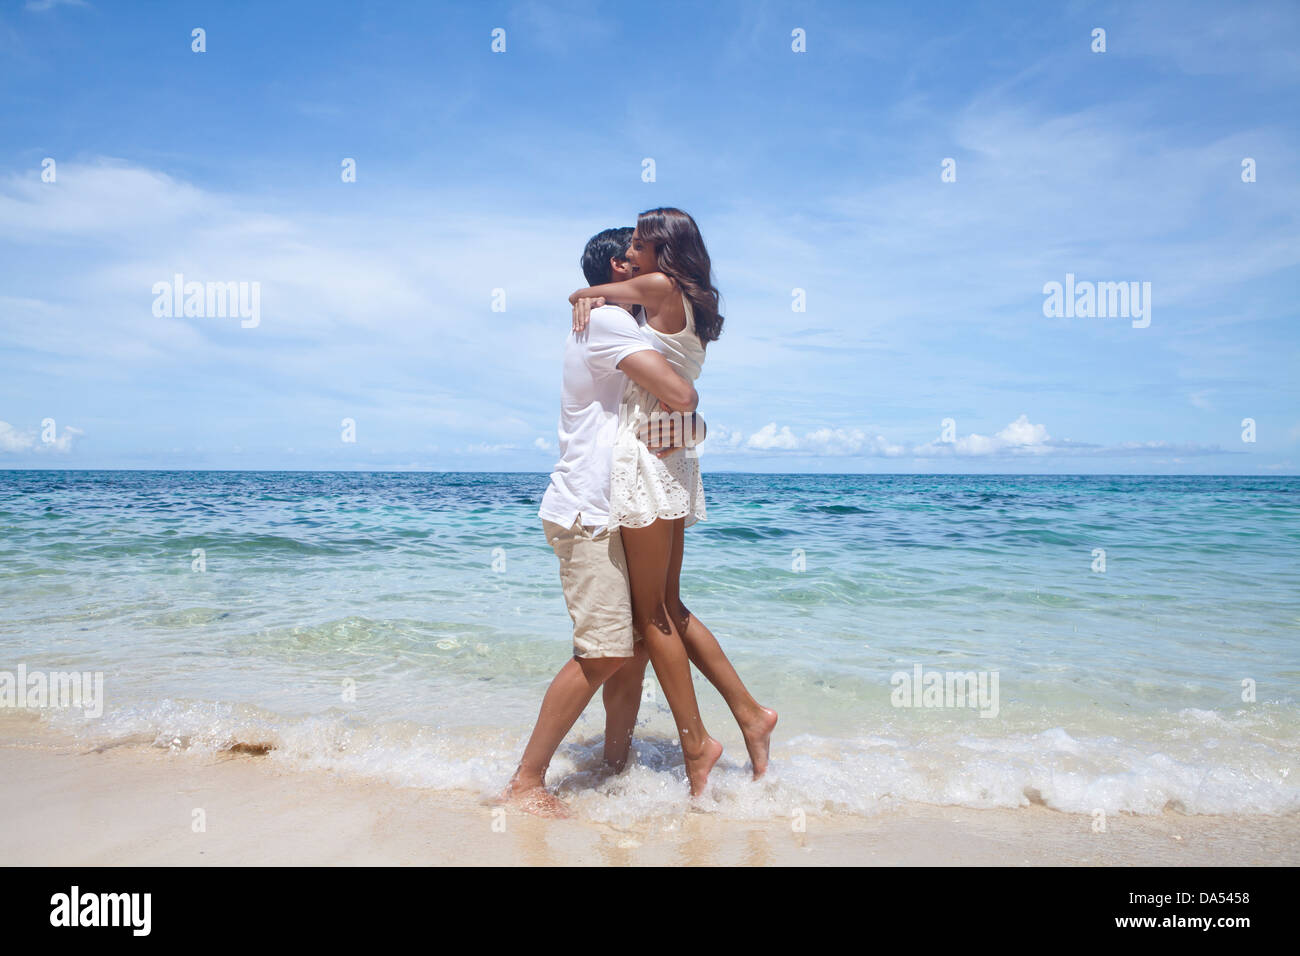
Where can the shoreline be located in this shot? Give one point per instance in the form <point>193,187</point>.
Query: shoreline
<point>134,804</point>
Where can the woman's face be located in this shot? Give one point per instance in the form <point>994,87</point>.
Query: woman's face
<point>641,255</point>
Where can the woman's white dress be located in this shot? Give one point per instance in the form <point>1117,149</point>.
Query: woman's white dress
<point>644,488</point>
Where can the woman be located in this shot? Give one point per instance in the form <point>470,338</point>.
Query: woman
<point>653,499</point>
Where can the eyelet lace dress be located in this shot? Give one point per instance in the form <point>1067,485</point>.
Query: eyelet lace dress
<point>644,488</point>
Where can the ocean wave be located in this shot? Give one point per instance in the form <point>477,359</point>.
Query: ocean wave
<point>1191,762</point>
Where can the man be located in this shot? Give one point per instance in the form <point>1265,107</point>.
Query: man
<point>606,649</point>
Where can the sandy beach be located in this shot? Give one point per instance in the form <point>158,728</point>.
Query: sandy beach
<point>135,804</point>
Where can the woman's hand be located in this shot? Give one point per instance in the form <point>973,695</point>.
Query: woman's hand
<point>582,312</point>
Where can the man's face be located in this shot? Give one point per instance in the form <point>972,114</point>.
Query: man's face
<point>620,270</point>
<point>641,256</point>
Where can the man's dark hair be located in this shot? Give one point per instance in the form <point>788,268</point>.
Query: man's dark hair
<point>603,246</point>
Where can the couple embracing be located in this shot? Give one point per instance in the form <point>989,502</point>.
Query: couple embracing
<point>621,496</point>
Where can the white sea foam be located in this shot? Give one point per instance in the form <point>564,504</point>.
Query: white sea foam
<point>1191,761</point>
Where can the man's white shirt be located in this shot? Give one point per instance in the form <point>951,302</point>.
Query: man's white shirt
<point>590,396</point>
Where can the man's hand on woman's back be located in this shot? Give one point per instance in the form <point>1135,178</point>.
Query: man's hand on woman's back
<point>668,431</point>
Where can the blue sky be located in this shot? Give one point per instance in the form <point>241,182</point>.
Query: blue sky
<point>820,171</point>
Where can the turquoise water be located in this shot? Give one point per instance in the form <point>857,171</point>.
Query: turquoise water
<point>436,597</point>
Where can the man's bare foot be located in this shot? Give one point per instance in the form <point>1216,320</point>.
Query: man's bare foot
<point>758,739</point>
<point>535,799</point>
<point>698,767</point>
<point>615,754</point>
<point>615,765</point>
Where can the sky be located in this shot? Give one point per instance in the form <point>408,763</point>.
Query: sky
<point>915,176</point>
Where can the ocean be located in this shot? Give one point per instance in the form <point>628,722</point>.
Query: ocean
<point>1089,643</point>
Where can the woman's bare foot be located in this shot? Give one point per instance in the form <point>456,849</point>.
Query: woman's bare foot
<point>698,767</point>
<point>535,799</point>
<point>758,739</point>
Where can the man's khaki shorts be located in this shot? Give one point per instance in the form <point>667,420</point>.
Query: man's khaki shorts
<point>593,574</point>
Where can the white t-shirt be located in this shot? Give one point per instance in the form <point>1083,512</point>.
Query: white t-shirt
<point>589,401</point>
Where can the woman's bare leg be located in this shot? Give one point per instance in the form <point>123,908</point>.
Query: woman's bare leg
<point>756,721</point>
<point>648,550</point>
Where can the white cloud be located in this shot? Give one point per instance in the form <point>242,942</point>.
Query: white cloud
<point>355,306</point>
<point>820,441</point>
<point>769,436</point>
<point>40,6</point>
<point>1159,448</point>
<point>103,199</point>
<point>1021,437</point>
<point>16,442</point>
<point>12,440</point>
<point>1021,433</point>
<point>720,437</point>
<point>63,441</point>
<point>851,441</point>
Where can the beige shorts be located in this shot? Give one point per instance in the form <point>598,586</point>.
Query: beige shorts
<point>593,574</point>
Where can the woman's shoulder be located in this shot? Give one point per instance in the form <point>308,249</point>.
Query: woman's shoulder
<point>659,282</point>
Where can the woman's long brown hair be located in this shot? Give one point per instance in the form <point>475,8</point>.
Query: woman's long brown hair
<point>680,253</point>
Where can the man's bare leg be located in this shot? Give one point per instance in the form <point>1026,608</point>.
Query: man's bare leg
<point>622,697</point>
<point>756,721</point>
<point>569,693</point>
